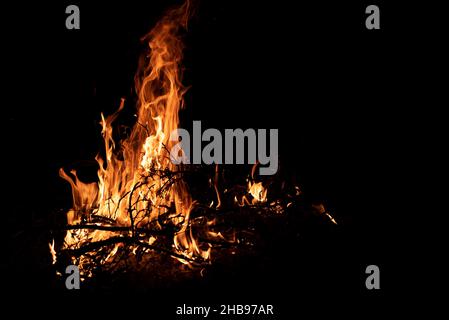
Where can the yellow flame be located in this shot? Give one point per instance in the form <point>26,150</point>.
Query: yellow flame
<point>52,251</point>
<point>258,192</point>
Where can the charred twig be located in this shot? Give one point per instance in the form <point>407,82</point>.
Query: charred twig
<point>130,206</point>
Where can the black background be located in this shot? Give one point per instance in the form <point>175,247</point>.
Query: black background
<point>334,89</point>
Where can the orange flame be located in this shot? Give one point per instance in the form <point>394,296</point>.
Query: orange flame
<point>255,189</point>
<point>320,209</point>
<point>258,192</point>
<point>52,251</point>
<point>128,190</point>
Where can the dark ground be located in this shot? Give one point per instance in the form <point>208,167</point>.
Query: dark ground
<point>333,88</point>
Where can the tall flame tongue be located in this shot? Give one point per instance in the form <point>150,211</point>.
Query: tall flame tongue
<point>132,188</point>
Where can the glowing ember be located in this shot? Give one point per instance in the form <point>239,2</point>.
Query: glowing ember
<point>320,209</point>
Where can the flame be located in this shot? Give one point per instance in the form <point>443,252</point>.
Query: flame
<point>112,253</point>
<point>217,192</point>
<point>52,251</point>
<point>135,191</point>
<point>258,192</point>
<point>130,189</point>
